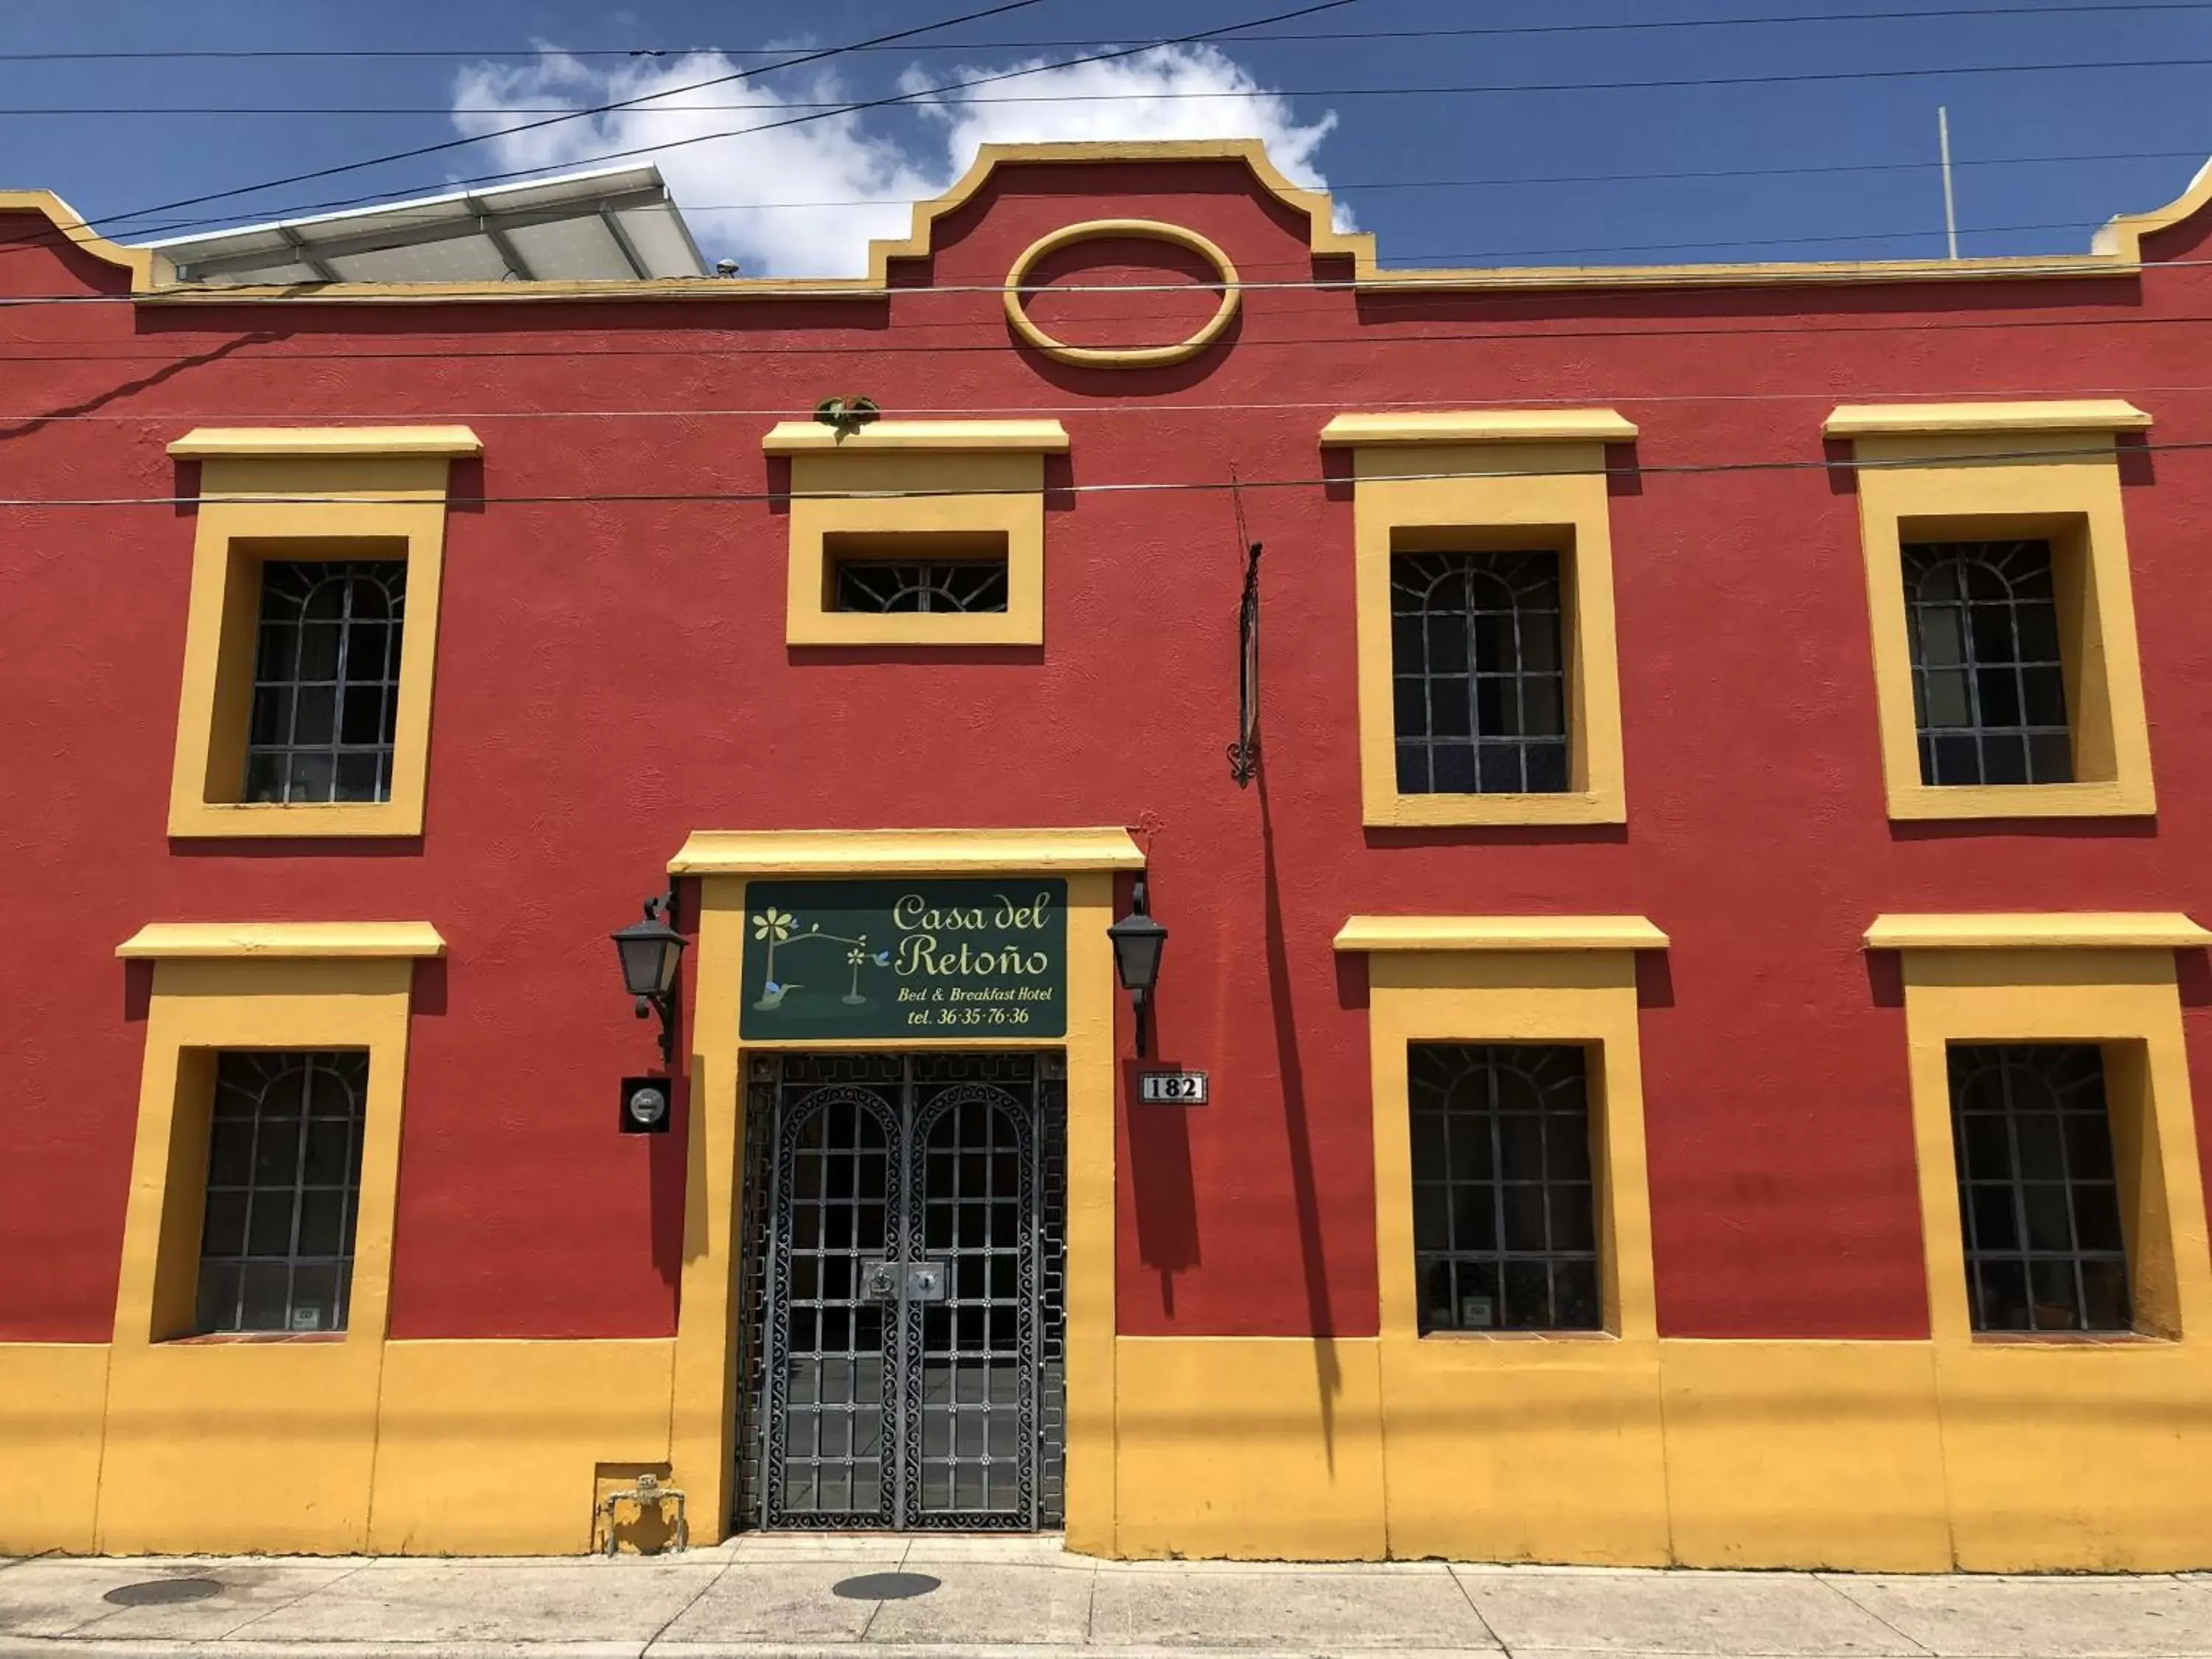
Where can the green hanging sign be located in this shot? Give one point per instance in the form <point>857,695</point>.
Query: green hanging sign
<point>928,960</point>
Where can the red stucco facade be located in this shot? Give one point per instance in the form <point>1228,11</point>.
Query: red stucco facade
<point>612,674</point>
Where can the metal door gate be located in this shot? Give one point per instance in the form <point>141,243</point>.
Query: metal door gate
<point>902,1320</point>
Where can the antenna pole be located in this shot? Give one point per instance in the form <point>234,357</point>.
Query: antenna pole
<point>1950,208</point>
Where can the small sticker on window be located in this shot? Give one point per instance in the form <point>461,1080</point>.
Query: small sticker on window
<point>1475,1313</point>
<point>307,1319</point>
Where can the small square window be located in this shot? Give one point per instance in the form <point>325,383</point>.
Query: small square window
<point>879,576</point>
<point>284,1191</point>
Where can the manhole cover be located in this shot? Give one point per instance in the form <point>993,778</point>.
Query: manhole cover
<point>156,1592</point>
<point>884,1586</point>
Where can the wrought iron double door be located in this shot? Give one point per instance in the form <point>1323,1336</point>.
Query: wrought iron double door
<point>907,1318</point>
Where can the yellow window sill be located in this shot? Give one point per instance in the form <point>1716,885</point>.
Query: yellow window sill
<point>242,818</point>
<point>950,631</point>
<point>2071,1339</point>
<point>2024,800</point>
<point>1520,1336</point>
<point>1428,811</point>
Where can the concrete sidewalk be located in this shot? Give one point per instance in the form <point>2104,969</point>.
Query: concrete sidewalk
<point>762,1596</point>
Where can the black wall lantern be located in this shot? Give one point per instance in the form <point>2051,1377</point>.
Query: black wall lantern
<point>650,951</point>
<point>1137,941</point>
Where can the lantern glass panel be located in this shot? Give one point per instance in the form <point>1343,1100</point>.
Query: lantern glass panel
<point>1137,943</point>
<point>648,961</point>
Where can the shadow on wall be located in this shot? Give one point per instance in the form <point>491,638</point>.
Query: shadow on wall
<point>1328,1378</point>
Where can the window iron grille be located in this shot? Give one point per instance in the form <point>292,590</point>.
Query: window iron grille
<point>1504,1208</point>
<point>1989,689</point>
<point>284,1191</point>
<point>326,680</point>
<point>893,585</point>
<point>2038,1203</point>
<point>1479,674</point>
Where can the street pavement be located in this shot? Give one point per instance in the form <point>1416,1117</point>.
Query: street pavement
<point>759,1596</point>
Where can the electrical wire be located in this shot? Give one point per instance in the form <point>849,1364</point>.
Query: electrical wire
<point>1594,400</point>
<point>1338,187</point>
<point>1150,487</point>
<point>1486,32</point>
<point>649,104</point>
<point>798,120</point>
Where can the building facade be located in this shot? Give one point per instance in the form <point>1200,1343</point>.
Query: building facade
<point>1698,994</point>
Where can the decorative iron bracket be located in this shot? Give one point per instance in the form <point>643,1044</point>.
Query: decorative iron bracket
<point>662,909</point>
<point>1244,753</point>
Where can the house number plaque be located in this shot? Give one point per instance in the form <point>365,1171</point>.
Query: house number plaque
<point>1172,1088</point>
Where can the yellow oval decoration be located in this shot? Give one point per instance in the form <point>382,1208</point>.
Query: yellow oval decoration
<point>1092,230</point>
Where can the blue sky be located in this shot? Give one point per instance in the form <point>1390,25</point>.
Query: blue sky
<point>804,200</point>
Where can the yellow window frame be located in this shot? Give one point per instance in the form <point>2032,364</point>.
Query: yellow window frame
<point>294,1416</point>
<point>1489,1455</point>
<point>304,493</point>
<point>934,487</point>
<point>1970,472</point>
<point>2104,978</point>
<point>1490,479</point>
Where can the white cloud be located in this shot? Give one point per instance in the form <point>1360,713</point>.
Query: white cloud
<point>870,177</point>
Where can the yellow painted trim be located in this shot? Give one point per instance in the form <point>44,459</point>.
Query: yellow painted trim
<point>902,852</point>
<point>938,437</point>
<point>1499,933</point>
<point>303,504</point>
<point>935,499</point>
<point>312,442</point>
<point>1549,495</point>
<point>1479,426</point>
<point>1911,420</point>
<point>2120,238</point>
<point>703,1444</point>
<point>2117,1480</point>
<point>168,940</point>
<point>2063,486</point>
<point>2117,251</point>
<point>2048,931</point>
<point>199,1434</point>
<point>1513,1447</point>
<point>1091,230</point>
<point>146,267</point>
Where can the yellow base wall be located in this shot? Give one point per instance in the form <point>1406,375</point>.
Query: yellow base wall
<point>1895,1456</point>
<point>323,1449</point>
<point>52,1396</point>
<point>1870,1456</point>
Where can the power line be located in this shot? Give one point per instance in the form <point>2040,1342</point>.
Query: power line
<point>1147,487</point>
<point>1492,32</point>
<point>648,104</point>
<point>1404,283</point>
<point>1336,186</point>
<point>800,120</point>
<point>1507,333</point>
<point>1827,395</point>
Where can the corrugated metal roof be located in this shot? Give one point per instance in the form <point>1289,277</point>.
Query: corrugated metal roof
<point>608,225</point>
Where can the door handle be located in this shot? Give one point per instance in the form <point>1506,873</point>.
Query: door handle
<point>906,1281</point>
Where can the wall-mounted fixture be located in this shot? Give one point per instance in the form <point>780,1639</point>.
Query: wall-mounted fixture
<point>1136,940</point>
<point>645,1105</point>
<point>650,951</point>
<point>1244,753</point>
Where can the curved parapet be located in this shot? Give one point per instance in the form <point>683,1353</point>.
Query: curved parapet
<point>147,270</point>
